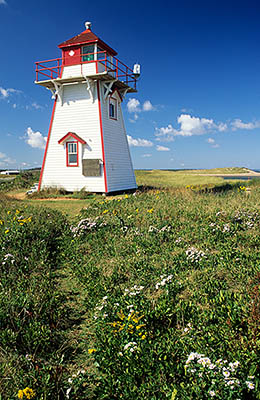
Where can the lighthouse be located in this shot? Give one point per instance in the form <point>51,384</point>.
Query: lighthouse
<point>87,146</point>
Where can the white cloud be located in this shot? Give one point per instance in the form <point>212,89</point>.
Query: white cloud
<point>146,155</point>
<point>35,139</point>
<point>222,127</point>
<point>133,106</point>
<point>162,148</point>
<point>147,106</point>
<point>138,142</point>
<point>166,134</point>
<point>189,126</point>
<point>212,142</point>
<point>36,106</point>
<point>5,160</point>
<point>4,93</point>
<point>238,124</point>
<point>3,2</point>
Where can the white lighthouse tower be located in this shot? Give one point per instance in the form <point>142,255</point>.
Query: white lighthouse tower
<point>87,145</point>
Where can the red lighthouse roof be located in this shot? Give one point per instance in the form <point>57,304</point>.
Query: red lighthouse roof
<point>87,37</point>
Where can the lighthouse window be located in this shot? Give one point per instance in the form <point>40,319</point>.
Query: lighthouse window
<point>72,154</point>
<point>87,52</point>
<point>101,54</point>
<point>112,108</point>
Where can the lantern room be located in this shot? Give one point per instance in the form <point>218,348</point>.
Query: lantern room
<point>86,56</point>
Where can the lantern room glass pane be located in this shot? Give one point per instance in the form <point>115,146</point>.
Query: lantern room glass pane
<point>101,54</point>
<point>87,52</point>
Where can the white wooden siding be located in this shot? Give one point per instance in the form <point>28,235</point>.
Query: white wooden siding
<point>80,115</point>
<point>78,70</point>
<point>120,173</point>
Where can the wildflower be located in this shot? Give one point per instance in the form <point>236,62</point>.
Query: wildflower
<point>7,230</point>
<point>212,393</point>
<point>250,385</point>
<point>20,394</point>
<point>226,373</point>
<point>68,393</point>
<point>150,211</point>
<point>105,211</point>
<point>143,337</point>
<point>90,351</point>
<point>29,393</point>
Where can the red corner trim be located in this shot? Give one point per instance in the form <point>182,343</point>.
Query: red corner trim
<point>74,136</point>
<point>47,144</point>
<point>102,137</point>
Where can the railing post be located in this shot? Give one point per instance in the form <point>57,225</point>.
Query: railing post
<point>116,68</point>
<point>36,72</point>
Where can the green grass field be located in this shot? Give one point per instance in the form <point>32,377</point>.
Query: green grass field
<point>152,295</point>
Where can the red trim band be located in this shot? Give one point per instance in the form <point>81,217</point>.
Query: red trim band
<point>102,137</point>
<point>47,144</point>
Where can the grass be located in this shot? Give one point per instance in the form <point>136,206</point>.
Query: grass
<point>110,304</point>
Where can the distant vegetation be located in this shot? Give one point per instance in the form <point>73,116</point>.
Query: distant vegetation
<point>152,295</point>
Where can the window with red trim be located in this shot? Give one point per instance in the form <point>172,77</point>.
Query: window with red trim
<point>72,154</point>
<point>112,108</point>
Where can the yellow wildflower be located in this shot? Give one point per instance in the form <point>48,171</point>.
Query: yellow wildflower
<point>29,393</point>
<point>17,212</point>
<point>7,230</point>
<point>137,210</point>
<point>20,394</point>
<point>1,222</point>
<point>8,212</point>
<point>105,211</point>
<point>143,337</point>
<point>90,351</point>
<point>150,211</point>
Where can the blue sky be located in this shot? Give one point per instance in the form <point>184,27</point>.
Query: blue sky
<point>198,100</point>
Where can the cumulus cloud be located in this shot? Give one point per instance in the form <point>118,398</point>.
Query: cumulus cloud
<point>138,142</point>
<point>35,139</point>
<point>147,106</point>
<point>3,2</point>
<point>162,148</point>
<point>189,126</point>
<point>165,134</point>
<point>238,124</point>
<point>133,106</point>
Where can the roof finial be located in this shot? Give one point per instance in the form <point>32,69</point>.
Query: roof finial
<point>88,25</point>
